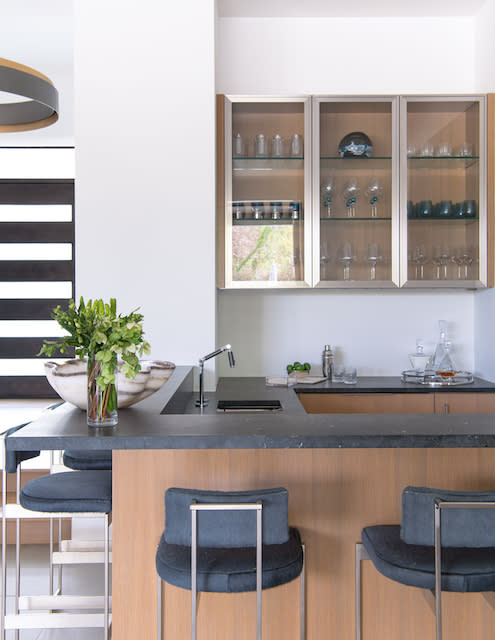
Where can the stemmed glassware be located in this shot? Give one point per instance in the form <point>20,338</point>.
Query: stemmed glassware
<point>327,192</point>
<point>374,192</point>
<point>323,260</point>
<point>373,257</point>
<point>346,257</point>
<point>420,258</point>
<point>467,260</point>
<point>457,258</point>
<point>441,258</point>
<point>351,194</point>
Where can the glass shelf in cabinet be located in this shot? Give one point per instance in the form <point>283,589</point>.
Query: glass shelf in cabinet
<point>356,219</point>
<point>268,164</point>
<point>464,220</point>
<point>375,163</point>
<point>442,162</point>
<point>266,222</point>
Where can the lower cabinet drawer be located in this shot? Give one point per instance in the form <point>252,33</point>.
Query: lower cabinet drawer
<point>367,402</point>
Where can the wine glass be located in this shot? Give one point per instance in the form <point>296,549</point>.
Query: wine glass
<point>327,192</point>
<point>420,258</point>
<point>346,257</point>
<point>323,260</point>
<point>374,192</point>
<point>351,194</point>
<point>467,260</point>
<point>457,258</point>
<point>441,258</point>
<point>373,257</point>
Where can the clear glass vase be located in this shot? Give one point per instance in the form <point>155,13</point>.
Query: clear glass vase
<point>102,401</point>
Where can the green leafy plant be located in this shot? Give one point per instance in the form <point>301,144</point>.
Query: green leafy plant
<point>98,333</point>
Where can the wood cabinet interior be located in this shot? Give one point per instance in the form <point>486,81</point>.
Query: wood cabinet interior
<point>339,230</point>
<point>262,181</point>
<point>453,179</point>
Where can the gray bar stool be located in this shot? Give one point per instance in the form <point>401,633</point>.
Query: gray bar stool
<point>58,495</point>
<point>213,539</point>
<point>87,460</point>
<point>434,551</point>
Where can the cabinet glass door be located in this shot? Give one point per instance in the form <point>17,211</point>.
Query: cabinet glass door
<point>443,201</point>
<point>355,192</point>
<point>268,191</point>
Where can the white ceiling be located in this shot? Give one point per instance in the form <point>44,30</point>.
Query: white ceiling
<point>347,8</point>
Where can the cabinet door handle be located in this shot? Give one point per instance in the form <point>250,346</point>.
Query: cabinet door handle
<point>446,408</point>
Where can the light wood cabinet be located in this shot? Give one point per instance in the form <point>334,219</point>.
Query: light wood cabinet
<point>414,211</point>
<point>433,402</point>
<point>465,402</point>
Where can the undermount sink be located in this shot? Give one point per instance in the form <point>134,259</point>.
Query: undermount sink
<point>248,406</point>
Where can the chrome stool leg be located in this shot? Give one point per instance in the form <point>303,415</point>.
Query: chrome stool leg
<point>361,554</point>
<point>302,596</point>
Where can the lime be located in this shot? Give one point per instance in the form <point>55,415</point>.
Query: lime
<point>296,364</point>
<point>306,366</point>
<point>299,367</point>
<point>290,368</point>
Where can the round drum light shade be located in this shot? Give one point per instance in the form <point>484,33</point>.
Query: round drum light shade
<point>40,109</point>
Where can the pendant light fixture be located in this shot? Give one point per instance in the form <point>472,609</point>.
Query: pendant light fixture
<point>40,107</point>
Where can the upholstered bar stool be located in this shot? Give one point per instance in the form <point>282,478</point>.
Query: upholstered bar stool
<point>87,460</point>
<point>446,541</point>
<point>229,542</point>
<point>58,495</point>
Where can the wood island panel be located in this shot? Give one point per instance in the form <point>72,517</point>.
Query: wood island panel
<point>333,493</point>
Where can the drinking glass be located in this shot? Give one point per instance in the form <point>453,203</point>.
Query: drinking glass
<point>457,259</point>
<point>277,146</point>
<point>467,260</point>
<point>441,258</point>
<point>424,209</point>
<point>350,375</point>
<point>327,192</point>
<point>373,257</point>
<point>427,150</point>
<point>374,192</point>
<point>338,373</point>
<point>420,258</point>
<point>257,210</point>
<point>323,260</point>
<point>346,257</point>
<point>261,146</point>
<point>465,150</point>
<point>238,145</point>
<point>444,150</point>
<point>351,194</point>
<point>296,145</point>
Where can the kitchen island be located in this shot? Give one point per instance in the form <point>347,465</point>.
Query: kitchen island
<point>343,472</point>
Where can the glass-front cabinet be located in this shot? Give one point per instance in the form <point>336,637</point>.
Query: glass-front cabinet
<point>443,192</point>
<point>267,208</point>
<point>355,192</point>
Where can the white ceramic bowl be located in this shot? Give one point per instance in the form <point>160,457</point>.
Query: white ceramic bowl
<point>69,380</point>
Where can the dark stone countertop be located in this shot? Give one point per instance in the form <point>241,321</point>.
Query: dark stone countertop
<point>169,420</point>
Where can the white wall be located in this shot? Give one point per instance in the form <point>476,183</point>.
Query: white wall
<point>345,55</point>
<point>372,330</point>
<point>485,301</point>
<point>145,166</point>
<point>485,47</point>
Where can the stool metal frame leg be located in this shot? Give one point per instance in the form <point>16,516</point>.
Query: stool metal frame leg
<point>195,507</point>
<point>439,505</point>
<point>361,554</point>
